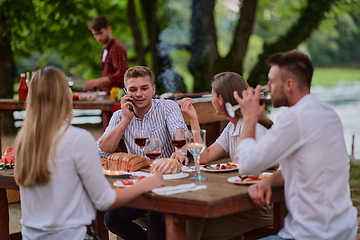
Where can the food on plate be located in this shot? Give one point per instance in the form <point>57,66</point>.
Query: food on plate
<point>166,166</point>
<point>121,161</point>
<point>252,178</point>
<point>128,182</point>
<point>8,159</point>
<point>141,177</point>
<point>219,166</point>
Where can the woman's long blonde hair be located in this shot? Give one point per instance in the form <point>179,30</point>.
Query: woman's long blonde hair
<point>225,83</point>
<point>48,108</point>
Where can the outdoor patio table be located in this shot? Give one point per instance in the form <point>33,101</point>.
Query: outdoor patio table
<point>219,199</point>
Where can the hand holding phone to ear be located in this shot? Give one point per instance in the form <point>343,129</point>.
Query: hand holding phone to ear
<point>129,107</point>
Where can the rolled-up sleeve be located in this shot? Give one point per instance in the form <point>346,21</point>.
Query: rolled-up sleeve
<point>115,119</point>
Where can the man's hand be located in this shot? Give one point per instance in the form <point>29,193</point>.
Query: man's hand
<point>91,85</point>
<point>95,84</point>
<point>260,192</point>
<point>250,103</point>
<point>126,102</point>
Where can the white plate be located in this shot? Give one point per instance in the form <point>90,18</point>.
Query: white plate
<point>220,170</point>
<point>119,183</point>
<point>237,180</point>
<point>175,176</point>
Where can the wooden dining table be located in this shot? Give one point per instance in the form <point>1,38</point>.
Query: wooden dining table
<point>220,198</point>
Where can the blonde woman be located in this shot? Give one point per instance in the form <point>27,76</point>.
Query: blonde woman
<point>58,167</point>
<point>230,226</point>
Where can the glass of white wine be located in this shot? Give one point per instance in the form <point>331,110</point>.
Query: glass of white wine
<point>195,141</point>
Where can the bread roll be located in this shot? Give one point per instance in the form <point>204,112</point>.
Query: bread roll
<point>166,166</point>
<point>121,161</point>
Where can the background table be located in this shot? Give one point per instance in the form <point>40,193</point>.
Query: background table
<point>204,108</point>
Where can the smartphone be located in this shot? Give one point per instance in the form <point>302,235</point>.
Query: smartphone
<point>130,107</point>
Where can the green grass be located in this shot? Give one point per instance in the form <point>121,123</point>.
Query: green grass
<point>355,183</point>
<point>330,77</point>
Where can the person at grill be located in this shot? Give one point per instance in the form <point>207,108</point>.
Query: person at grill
<point>114,61</point>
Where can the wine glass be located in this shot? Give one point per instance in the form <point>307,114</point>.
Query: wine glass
<point>264,97</point>
<point>152,148</point>
<point>141,135</point>
<point>196,145</point>
<point>179,140</point>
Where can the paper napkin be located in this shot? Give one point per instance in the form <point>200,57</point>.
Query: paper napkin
<point>178,189</point>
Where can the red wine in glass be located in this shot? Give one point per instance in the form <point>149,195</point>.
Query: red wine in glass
<point>153,155</point>
<point>140,142</point>
<point>178,143</point>
<point>263,100</point>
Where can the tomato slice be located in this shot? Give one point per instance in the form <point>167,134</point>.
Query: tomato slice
<point>127,182</point>
<point>255,177</point>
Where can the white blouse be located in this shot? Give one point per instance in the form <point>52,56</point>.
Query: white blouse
<point>63,207</point>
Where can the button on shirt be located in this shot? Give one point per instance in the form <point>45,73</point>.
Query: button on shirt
<point>309,142</point>
<point>161,121</point>
<point>230,137</point>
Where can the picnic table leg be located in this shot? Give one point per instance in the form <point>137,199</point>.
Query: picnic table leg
<point>105,118</point>
<point>99,227</point>
<point>0,131</point>
<point>175,227</point>
<point>4,216</point>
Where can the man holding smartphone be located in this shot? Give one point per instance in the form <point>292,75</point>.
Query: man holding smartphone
<point>114,61</point>
<point>161,118</point>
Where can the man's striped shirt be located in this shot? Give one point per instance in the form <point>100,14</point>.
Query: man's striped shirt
<point>163,118</point>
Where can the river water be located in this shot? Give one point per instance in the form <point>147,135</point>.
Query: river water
<point>345,99</point>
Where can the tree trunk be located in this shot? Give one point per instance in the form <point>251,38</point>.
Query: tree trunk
<point>203,45</point>
<point>7,76</point>
<point>152,25</point>
<point>138,40</point>
<point>309,20</point>
<point>234,60</point>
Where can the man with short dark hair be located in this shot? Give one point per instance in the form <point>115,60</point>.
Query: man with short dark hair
<point>309,142</point>
<point>114,61</point>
